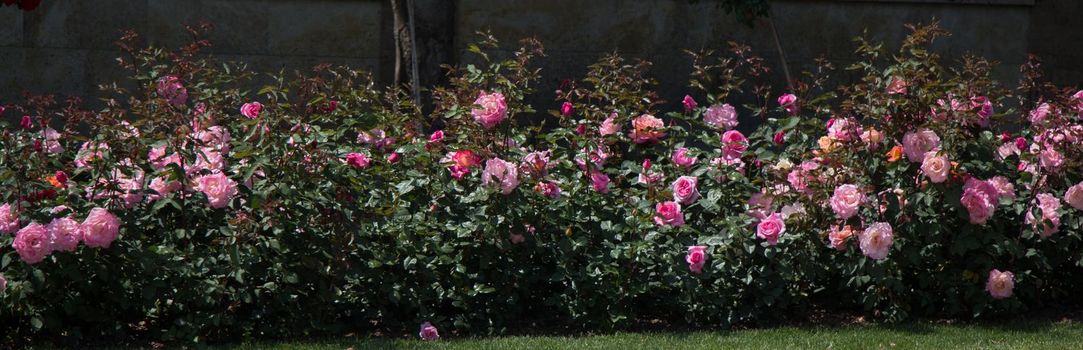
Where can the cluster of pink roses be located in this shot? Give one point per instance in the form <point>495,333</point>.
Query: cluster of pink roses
<point>35,241</point>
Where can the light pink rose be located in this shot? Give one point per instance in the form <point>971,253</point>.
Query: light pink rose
<point>734,144</point>
<point>1049,205</point>
<point>52,141</point>
<point>1074,197</point>
<point>1000,284</point>
<point>609,125</point>
<point>493,109</point>
<point>846,200</point>
<point>218,187</point>
<point>759,205</point>
<point>788,102</point>
<point>877,240</point>
<point>1005,188</point>
<point>844,130</point>
<point>839,236</point>
<point>980,199</point>
<point>771,228</point>
<point>1050,159</point>
<point>9,219</point>
<point>685,191</point>
<point>689,103</point>
<point>798,179</point>
<point>918,143</point>
<point>1007,150</point>
<point>647,128</point>
<point>721,116</point>
<point>680,158</point>
<point>696,258</point>
<point>251,110</point>
<point>64,234</point>
<point>668,213</point>
<point>646,176</point>
<point>428,332</point>
<point>89,152</point>
<point>1039,115</point>
<point>162,186</point>
<point>358,160</point>
<point>32,243</point>
<point>596,156</point>
<point>500,173</point>
<point>599,181</point>
<point>936,167</point>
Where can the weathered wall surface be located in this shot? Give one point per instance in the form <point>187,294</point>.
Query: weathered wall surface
<point>66,46</point>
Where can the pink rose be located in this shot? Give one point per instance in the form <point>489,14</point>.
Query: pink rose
<point>984,107</point>
<point>90,152</point>
<point>646,176</point>
<point>600,182</point>
<point>877,240</point>
<point>936,167</point>
<point>609,126</point>
<point>536,164</point>
<point>1074,196</point>
<point>1021,143</point>
<point>162,186</point>
<point>668,213</point>
<point>100,228</point>
<point>1049,223</point>
<point>759,205</point>
<point>685,191</point>
<point>1039,115</point>
<point>171,89</point>
<point>1005,188</point>
<point>9,219</point>
<point>64,234</point>
<point>780,137</point>
<point>734,144</point>
<point>26,122</point>
<point>436,136</point>
<point>251,110</point>
<point>696,258</point>
<point>548,188</point>
<point>358,160</point>
<point>567,109</point>
<point>771,228</point>
<point>789,103</point>
<point>218,187</point>
<point>428,332</point>
<point>689,103</point>
<point>846,200</point>
<point>843,129</point>
<point>681,158</point>
<point>980,199</point>
<point>897,86</point>
<point>1077,98</point>
<point>647,128</point>
<point>52,141</point>
<point>32,243</point>
<point>1050,159</point>
<point>393,157</point>
<point>916,144</point>
<point>1000,284</point>
<point>493,109</point>
<point>839,236</point>
<point>500,173</point>
<point>721,116</point>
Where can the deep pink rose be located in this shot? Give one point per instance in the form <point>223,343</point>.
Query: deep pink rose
<point>1000,284</point>
<point>780,137</point>
<point>689,103</point>
<point>393,157</point>
<point>171,89</point>
<point>436,136</point>
<point>26,122</point>
<point>251,110</point>
<point>493,109</point>
<point>428,332</point>
<point>789,103</point>
<point>358,160</point>
<point>734,144</point>
<point>771,228</point>
<point>567,109</point>
<point>599,181</point>
<point>684,190</point>
<point>668,213</point>
<point>696,258</point>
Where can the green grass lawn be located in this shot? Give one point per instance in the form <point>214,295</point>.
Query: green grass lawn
<point>1018,335</point>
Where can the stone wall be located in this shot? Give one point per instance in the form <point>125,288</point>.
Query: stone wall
<point>66,46</point>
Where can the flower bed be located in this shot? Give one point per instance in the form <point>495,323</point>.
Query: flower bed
<point>190,209</point>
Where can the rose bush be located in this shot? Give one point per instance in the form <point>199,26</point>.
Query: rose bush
<point>192,209</point>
